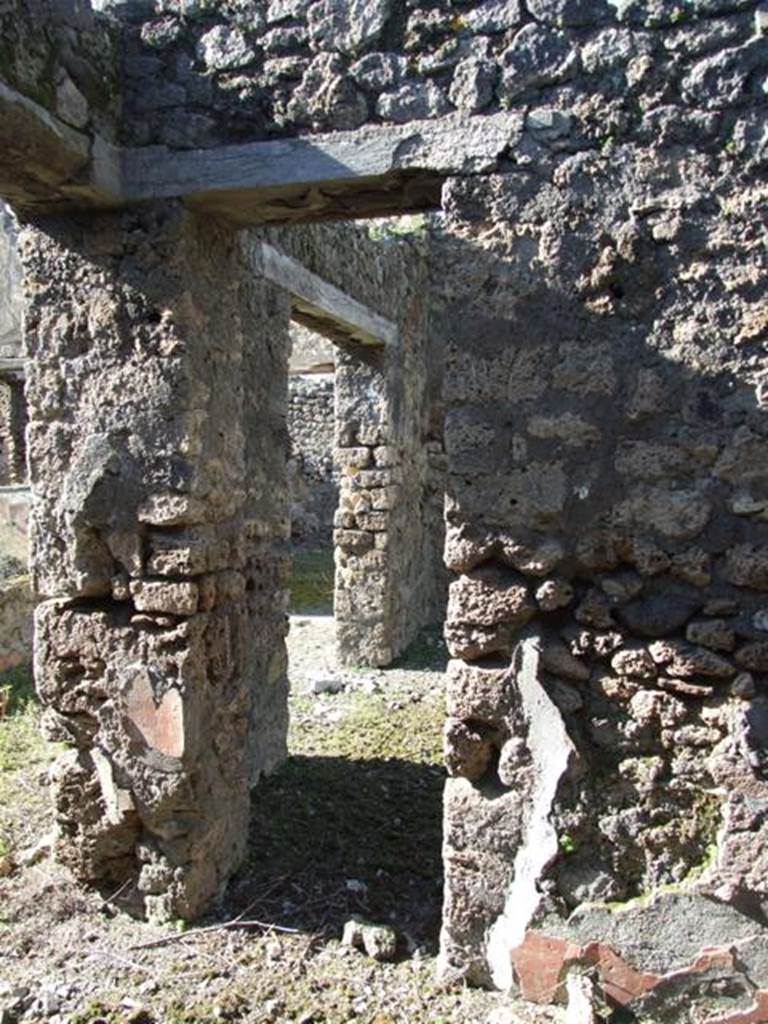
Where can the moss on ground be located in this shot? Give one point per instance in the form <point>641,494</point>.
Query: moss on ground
<point>312,578</point>
<point>372,726</point>
<point>353,817</point>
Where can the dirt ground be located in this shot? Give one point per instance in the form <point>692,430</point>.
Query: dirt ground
<point>350,824</point>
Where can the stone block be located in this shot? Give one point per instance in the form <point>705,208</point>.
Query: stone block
<point>746,565</point>
<point>490,596</point>
<point>162,596</point>
<point>478,693</point>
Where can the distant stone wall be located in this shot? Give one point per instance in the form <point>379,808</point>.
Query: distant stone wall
<point>12,406</point>
<point>13,422</point>
<point>10,286</point>
<point>310,351</point>
<point>16,610</point>
<point>312,476</point>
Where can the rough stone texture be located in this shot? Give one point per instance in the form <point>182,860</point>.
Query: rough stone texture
<point>13,423</point>
<point>63,56</point>
<point>14,525</point>
<point>331,65</point>
<point>596,343</point>
<point>310,352</point>
<point>377,618</point>
<point>601,433</point>
<point>10,286</point>
<point>159,646</point>
<point>60,97</point>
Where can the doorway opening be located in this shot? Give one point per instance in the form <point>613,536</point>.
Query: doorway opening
<point>354,813</point>
<point>313,494</point>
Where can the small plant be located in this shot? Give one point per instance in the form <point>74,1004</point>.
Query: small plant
<point>728,207</point>
<point>390,228</point>
<point>566,843</point>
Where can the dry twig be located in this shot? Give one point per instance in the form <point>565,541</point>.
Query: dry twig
<point>236,922</point>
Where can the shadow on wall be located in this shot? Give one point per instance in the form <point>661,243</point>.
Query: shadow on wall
<point>606,434</point>
<point>332,837</point>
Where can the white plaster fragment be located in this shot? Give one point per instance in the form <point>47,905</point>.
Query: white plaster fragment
<point>551,752</point>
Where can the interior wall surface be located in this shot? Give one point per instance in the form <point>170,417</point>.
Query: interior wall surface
<point>604,319</point>
<point>314,485</point>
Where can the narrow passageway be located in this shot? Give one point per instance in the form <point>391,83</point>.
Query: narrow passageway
<point>355,813</point>
<point>313,495</point>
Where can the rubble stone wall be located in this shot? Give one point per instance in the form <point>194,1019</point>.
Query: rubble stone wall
<point>313,477</point>
<point>16,608</point>
<point>66,58</point>
<point>212,74</point>
<point>158,499</point>
<point>600,316</point>
<point>604,319</point>
<point>61,71</point>
<point>10,286</point>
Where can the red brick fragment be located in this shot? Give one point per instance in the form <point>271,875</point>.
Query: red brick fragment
<point>542,961</point>
<point>756,1014</point>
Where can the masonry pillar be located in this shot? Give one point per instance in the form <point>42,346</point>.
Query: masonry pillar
<point>368,484</point>
<point>138,328</point>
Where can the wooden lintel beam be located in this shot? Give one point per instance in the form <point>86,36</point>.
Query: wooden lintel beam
<point>320,303</point>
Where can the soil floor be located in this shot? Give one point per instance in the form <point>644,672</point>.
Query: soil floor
<point>349,825</point>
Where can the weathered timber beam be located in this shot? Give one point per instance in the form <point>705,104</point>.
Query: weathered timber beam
<point>375,170</point>
<point>321,305</point>
<point>45,164</point>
